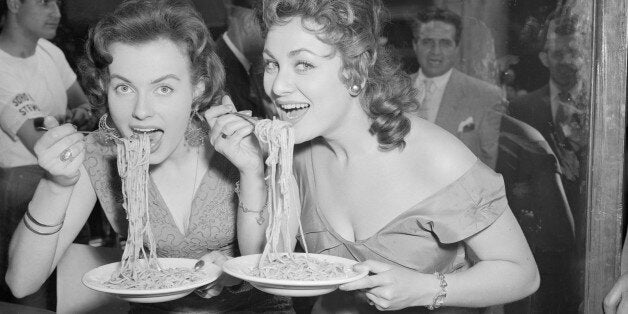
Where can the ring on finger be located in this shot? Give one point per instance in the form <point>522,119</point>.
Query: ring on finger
<point>66,155</point>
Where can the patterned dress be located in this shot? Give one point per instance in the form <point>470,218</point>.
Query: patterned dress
<point>212,226</point>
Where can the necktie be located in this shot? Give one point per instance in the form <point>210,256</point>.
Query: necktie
<point>426,106</point>
<point>567,124</point>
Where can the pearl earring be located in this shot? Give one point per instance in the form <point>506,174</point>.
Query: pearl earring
<point>354,90</point>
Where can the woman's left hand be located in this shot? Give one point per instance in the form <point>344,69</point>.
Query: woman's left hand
<point>392,287</point>
<point>213,289</point>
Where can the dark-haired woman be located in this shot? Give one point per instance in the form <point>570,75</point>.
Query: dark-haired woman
<point>152,69</point>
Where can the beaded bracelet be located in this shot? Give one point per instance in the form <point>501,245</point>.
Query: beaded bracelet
<point>439,298</point>
<point>260,219</point>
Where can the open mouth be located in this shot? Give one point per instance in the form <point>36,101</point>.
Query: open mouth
<point>293,111</point>
<point>154,135</point>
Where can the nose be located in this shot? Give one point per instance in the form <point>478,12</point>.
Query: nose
<point>281,83</point>
<point>143,108</point>
<point>436,48</point>
<point>56,12</point>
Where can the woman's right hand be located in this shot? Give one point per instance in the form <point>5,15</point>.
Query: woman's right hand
<point>232,136</point>
<point>60,151</point>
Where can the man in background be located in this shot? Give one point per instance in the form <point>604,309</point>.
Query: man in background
<point>556,110</point>
<point>35,81</point>
<point>465,106</point>
<point>240,49</point>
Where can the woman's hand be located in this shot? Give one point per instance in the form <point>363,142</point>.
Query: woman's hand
<point>232,136</point>
<point>392,287</point>
<point>213,289</point>
<point>60,151</point>
<point>616,301</point>
<point>82,117</point>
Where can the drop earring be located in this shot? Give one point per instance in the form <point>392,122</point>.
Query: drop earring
<point>196,131</point>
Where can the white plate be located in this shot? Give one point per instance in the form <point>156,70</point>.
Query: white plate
<point>240,267</point>
<point>94,279</point>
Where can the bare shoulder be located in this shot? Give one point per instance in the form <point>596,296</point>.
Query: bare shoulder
<point>438,153</point>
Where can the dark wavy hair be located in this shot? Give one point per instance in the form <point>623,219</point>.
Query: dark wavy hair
<point>437,14</point>
<point>353,28</point>
<point>3,12</point>
<point>140,21</point>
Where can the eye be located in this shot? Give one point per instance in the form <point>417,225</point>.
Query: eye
<point>164,90</point>
<point>426,42</point>
<point>303,66</point>
<point>123,89</point>
<point>270,66</point>
<point>446,43</point>
<point>47,2</point>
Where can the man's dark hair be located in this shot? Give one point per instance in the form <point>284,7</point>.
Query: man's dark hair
<point>3,12</point>
<point>437,14</point>
<point>249,4</point>
<point>562,23</point>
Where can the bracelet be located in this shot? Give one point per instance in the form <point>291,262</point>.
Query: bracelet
<point>439,298</point>
<point>29,227</point>
<point>31,218</point>
<point>260,219</point>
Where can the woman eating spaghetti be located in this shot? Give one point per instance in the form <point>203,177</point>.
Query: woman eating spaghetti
<point>152,69</point>
<point>377,183</point>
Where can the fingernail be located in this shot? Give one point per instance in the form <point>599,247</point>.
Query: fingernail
<point>199,265</point>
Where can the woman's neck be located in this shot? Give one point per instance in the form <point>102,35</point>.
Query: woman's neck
<point>180,160</point>
<point>352,138</point>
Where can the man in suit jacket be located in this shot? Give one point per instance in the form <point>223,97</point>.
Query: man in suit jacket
<point>240,49</point>
<point>556,111</point>
<point>465,106</point>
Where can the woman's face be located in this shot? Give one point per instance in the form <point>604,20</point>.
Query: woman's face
<point>303,78</point>
<point>150,90</point>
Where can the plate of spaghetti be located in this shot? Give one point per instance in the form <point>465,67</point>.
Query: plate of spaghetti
<point>174,279</point>
<point>294,274</point>
<point>141,276</point>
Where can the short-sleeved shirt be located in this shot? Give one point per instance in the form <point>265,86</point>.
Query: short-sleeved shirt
<point>425,238</point>
<point>29,88</point>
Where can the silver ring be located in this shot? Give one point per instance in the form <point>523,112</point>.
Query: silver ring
<point>66,155</point>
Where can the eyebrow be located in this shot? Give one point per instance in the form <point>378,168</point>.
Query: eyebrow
<point>157,80</point>
<point>300,50</point>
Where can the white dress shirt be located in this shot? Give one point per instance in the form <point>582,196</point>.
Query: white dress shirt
<point>555,100</point>
<point>430,99</point>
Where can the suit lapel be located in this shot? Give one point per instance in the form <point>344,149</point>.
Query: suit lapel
<point>543,112</point>
<point>451,103</point>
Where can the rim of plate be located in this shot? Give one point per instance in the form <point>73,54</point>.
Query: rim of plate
<point>234,267</point>
<point>91,278</point>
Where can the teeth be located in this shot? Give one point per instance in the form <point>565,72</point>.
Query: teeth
<point>144,130</point>
<point>294,106</point>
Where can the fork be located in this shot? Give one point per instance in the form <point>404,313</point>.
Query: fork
<point>39,126</point>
